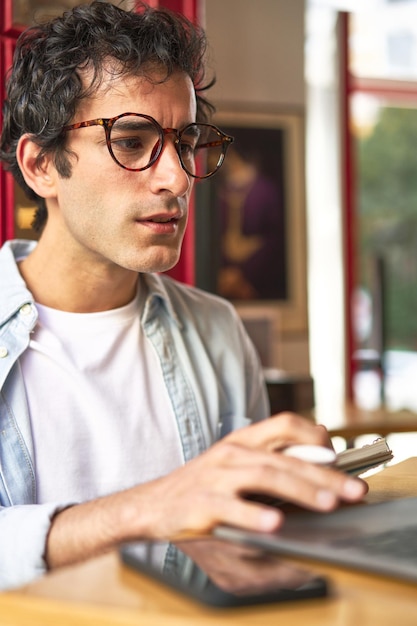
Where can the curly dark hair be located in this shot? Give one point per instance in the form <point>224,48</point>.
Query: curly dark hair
<point>44,86</point>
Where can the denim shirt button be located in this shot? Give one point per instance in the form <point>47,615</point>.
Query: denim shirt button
<point>3,352</point>
<point>26,309</point>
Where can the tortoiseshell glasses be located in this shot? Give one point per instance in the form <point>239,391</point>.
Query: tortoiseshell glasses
<point>135,142</point>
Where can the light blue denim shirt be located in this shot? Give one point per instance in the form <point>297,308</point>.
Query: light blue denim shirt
<point>211,371</point>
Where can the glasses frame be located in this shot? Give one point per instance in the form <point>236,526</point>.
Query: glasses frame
<point>108,123</point>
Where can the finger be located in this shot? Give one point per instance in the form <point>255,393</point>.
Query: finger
<point>233,512</point>
<point>256,471</point>
<point>289,479</point>
<point>316,487</point>
<point>280,431</point>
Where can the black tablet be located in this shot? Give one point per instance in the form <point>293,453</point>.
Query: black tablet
<point>222,574</point>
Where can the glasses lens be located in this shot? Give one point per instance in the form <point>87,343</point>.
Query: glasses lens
<point>135,141</point>
<point>202,149</point>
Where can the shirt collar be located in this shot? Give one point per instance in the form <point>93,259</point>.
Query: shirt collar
<point>157,295</point>
<point>12,286</point>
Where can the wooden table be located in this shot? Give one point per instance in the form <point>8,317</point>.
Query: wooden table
<point>106,593</point>
<point>352,421</point>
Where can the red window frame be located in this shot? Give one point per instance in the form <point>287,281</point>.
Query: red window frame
<point>387,89</point>
<point>8,35</point>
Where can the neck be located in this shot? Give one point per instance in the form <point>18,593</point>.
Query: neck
<point>67,283</point>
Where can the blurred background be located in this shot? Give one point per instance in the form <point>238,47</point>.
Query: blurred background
<point>329,87</point>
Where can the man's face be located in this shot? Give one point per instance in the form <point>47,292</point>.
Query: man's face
<point>105,214</point>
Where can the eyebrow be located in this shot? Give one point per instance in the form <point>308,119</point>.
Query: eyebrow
<point>193,130</point>
<point>130,124</point>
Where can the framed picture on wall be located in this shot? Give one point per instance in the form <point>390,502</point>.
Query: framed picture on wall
<point>250,219</point>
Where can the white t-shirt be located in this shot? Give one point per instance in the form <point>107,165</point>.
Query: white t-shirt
<point>100,413</point>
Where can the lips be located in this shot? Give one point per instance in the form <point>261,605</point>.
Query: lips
<point>161,223</point>
<point>162,220</point>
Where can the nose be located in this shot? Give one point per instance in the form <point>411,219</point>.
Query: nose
<point>167,173</point>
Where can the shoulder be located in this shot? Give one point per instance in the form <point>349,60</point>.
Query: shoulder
<point>193,307</point>
<point>215,339</point>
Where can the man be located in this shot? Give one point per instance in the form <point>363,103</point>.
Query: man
<point>115,380</point>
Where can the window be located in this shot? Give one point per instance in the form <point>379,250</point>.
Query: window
<point>383,114</point>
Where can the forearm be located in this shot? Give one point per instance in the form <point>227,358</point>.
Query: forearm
<point>91,528</point>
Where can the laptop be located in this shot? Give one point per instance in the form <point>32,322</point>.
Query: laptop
<point>379,538</point>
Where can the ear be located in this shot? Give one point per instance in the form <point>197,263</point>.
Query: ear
<point>39,175</point>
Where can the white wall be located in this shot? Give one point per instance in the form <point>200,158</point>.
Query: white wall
<point>257,53</point>
<point>324,165</point>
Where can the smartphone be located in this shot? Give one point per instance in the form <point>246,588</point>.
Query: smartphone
<point>223,574</point>
<point>356,461</point>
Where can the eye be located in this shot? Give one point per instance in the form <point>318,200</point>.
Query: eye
<point>134,134</point>
<point>187,149</point>
<point>132,142</point>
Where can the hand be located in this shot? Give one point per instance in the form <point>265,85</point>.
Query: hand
<point>207,491</point>
<point>210,489</point>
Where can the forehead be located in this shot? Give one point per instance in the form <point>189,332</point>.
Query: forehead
<point>153,94</point>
